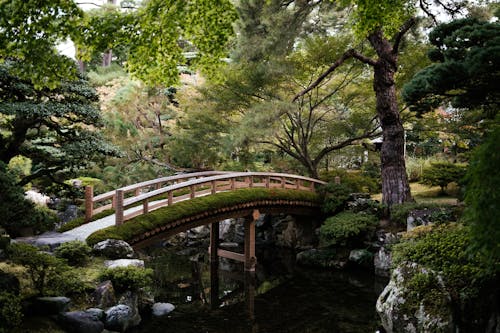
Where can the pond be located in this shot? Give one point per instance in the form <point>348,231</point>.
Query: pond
<point>279,297</point>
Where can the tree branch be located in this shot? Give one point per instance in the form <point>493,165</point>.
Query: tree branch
<point>402,31</point>
<point>347,55</point>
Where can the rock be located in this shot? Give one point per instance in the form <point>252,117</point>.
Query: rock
<point>119,318</point>
<point>419,217</point>
<point>124,263</point>
<point>96,312</point>
<point>131,299</point>
<point>382,262</point>
<point>114,249</point>
<point>104,295</point>
<point>199,232</point>
<point>81,322</point>
<point>69,214</point>
<point>9,282</point>
<point>50,305</point>
<point>400,310</point>
<point>48,239</point>
<point>161,309</point>
<point>361,257</point>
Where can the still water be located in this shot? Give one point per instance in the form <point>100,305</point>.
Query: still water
<point>279,297</point>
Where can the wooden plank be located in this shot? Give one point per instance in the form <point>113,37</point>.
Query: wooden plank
<point>231,255</point>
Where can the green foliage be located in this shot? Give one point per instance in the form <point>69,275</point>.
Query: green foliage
<point>443,173</point>
<point>11,314</point>
<point>465,70</point>
<point>48,274</point>
<point>75,252</point>
<point>334,197</point>
<point>344,228</point>
<point>368,180</point>
<point>388,15</point>
<point>54,128</point>
<point>443,250</point>
<point>103,75</point>
<point>128,278</point>
<point>483,197</point>
<point>152,220</point>
<point>30,32</point>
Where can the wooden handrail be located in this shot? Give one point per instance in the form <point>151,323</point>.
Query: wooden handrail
<point>198,184</point>
<point>91,200</point>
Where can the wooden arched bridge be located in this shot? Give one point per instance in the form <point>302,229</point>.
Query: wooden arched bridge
<point>138,215</point>
<point>166,191</point>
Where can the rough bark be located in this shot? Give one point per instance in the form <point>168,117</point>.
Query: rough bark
<point>395,185</point>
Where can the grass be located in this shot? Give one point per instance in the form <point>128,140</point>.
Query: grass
<point>430,194</point>
<point>183,209</point>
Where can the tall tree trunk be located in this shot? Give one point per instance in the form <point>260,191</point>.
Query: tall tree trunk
<point>395,186</point>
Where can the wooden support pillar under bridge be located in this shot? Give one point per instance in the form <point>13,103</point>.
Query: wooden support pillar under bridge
<point>248,257</point>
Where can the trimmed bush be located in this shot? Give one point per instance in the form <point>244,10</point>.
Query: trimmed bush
<point>344,228</point>
<point>49,275</point>
<point>75,252</point>
<point>183,209</point>
<point>128,278</point>
<point>443,173</point>
<point>334,197</point>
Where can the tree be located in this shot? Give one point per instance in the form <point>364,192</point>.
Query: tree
<point>384,24</point>
<point>55,128</point>
<point>465,69</point>
<point>29,33</point>
<point>158,32</point>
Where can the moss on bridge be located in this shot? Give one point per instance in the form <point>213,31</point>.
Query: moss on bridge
<point>148,222</point>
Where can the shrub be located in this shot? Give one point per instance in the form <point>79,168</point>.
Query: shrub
<point>355,181</point>
<point>443,173</point>
<point>334,197</point>
<point>10,312</point>
<point>75,252</point>
<point>47,273</point>
<point>128,278</point>
<point>343,228</point>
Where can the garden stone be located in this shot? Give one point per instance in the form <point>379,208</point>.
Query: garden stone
<point>9,282</point>
<point>161,309</point>
<point>382,262</point>
<point>104,295</point>
<point>400,312</point>
<point>131,299</point>
<point>96,312</point>
<point>51,305</point>
<point>80,322</point>
<point>69,214</point>
<point>113,249</point>
<point>199,232</point>
<point>119,318</point>
<point>124,263</point>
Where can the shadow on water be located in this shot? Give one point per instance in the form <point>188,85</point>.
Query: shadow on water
<point>278,297</point>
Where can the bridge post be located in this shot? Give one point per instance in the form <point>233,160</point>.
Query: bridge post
<point>119,207</point>
<point>89,204</point>
<point>214,265</point>
<point>250,259</point>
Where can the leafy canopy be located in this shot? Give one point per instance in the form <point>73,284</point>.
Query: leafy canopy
<point>465,71</point>
<point>30,30</point>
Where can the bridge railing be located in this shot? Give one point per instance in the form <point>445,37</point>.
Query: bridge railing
<point>204,186</point>
<point>105,201</point>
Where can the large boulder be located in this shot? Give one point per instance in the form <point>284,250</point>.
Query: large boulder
<point>403,309</point>
<point>119,318</point>
<point>81,322</point>
<point>124,263</point>
<point>104,295</point>
<point>162,309</point>
<point>131,299</point>
<point>113,249</point>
